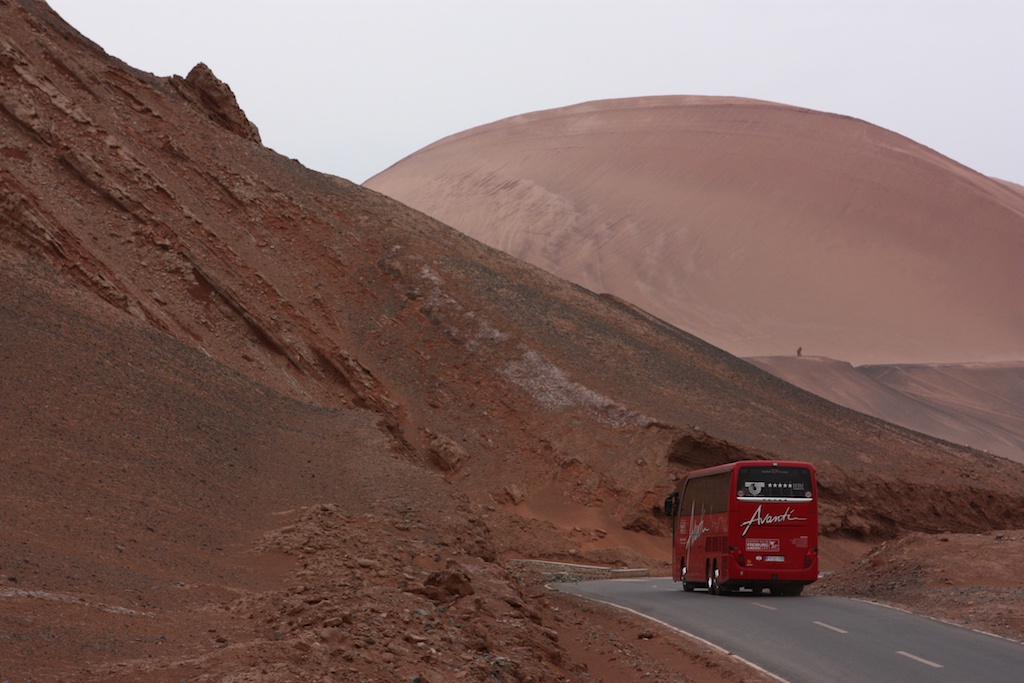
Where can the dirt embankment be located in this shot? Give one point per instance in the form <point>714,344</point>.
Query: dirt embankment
<point>969,579</point>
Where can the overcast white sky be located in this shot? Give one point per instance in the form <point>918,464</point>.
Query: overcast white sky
<point>350,87</point>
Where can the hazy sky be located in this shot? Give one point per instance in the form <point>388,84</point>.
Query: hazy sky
<point>350,87</point>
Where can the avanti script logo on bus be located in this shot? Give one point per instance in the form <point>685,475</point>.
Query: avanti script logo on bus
<point>760,519</point>
<point>696,530</point>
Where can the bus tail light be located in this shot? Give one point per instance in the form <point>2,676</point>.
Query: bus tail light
<point>737,555</point>
<point>809,558</point>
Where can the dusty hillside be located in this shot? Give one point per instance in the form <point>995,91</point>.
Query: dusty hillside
<point>766,230</point>
<point>757,226</point>
<point>263,424</point>
<point>978,404</point>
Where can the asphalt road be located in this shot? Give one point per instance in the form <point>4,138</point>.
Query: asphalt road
<point>811,639</point>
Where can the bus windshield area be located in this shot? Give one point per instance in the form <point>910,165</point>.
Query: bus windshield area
<point>774,482</point>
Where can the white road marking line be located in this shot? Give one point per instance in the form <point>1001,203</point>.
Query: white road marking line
<point>717,648</point>
<point>763,606</point>
<point>919,659</point>
<point>830,627</point>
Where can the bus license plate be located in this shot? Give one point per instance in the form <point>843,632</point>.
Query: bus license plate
<point>774,558</point>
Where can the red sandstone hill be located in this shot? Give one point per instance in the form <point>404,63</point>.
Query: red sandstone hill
<point>762,229</point>
<point>264,424</point>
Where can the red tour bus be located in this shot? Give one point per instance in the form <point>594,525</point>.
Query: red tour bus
<point>748,524</point>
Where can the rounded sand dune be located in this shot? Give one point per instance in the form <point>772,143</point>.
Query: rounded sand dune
<point>759,227</point>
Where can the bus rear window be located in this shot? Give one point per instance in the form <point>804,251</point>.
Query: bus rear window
<point>774,482</point>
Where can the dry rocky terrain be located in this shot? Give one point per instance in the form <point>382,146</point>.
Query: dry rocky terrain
<point>807,242</point>
<point>261,424</point>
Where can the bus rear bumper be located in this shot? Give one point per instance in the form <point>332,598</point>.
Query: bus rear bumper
<point>781,581</point>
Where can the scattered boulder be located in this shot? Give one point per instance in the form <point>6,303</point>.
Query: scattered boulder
<point>447,585</point>
<point>447,454</point>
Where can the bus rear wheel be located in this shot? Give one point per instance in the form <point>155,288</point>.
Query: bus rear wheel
<point>688,586</point>
<point>714,587</point>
